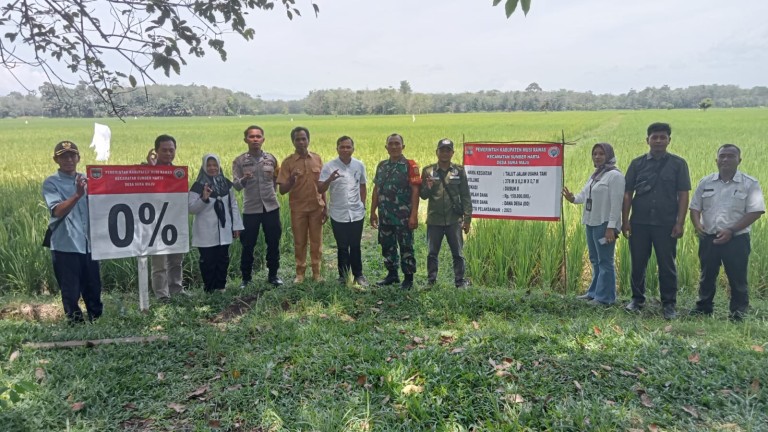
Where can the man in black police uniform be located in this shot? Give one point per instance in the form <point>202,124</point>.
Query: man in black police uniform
<point>656,193</point>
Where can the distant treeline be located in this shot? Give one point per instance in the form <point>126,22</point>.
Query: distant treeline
<point>195,100</point>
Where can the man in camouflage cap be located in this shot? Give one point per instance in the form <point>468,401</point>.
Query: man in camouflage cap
<point>396,198</point>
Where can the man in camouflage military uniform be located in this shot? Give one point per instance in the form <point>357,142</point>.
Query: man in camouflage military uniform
<point>396,198</point>
<point>449,210</point>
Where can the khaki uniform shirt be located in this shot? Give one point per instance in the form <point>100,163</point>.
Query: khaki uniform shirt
<point>259,191</point>
<point>722,204</point>
<point>303,197</point>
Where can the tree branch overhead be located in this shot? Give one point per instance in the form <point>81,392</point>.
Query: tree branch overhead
<point>112,45</point>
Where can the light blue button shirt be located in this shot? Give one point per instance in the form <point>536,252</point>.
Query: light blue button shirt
<point>345,205</point>
<point>71,235</point>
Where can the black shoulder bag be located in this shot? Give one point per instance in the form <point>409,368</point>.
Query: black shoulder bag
<point>49,232</point>
<point>646,185</point>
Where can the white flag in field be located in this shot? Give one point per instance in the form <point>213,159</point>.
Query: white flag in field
<point>100,143</point>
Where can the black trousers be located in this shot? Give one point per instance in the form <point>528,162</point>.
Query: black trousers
<point>78,275</point>
<point>270,222</point>
<point>643,238</point>
<point>734,256</point>
<point>348,236</point>
<point>214,264</point>
<point>452,233</point>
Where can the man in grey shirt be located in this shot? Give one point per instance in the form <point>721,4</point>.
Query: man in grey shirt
<point>77,274</point>
<point>255,173</point>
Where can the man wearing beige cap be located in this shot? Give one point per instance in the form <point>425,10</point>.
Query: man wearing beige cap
<point>76,273</point>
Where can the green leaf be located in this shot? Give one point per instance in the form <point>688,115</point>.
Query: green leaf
<point>132,80</point>
<point>25,386</point>
<point>13,396</point>
<point>510,7</point>
<point>526,5</point>
<point>175,65</point>
<point>496,2</point>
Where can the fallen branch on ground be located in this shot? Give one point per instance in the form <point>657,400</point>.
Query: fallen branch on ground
<point>94,342</point>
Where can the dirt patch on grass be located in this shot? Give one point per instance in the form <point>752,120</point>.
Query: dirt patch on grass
<point>135,424</point>
<point>239,307</point>
<point>32,312</point>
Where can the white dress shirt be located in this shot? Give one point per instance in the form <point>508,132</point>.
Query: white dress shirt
<point>344,192</point>
<point>722,204</point>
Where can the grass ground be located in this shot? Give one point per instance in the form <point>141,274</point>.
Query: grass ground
<point>327,358</point>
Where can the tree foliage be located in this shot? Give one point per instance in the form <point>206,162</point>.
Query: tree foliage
<point>196,100</point>
<point>511,5</point>
<point>533,87</point>
<point>405,87</point>
<point>705,104</point>
<point>113,45</point>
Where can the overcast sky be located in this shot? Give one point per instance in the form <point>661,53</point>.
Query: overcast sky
<point>440,46</point>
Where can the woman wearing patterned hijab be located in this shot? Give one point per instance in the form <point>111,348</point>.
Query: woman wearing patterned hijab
<point>217,222</point>
<point>602,197</point>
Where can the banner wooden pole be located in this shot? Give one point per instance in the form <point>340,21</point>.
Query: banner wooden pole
<point>143,284</point>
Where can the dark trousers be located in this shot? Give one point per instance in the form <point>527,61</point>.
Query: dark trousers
<point>734,257</point>
<point>348,236</point>
<point>665,247</point>
<point>214,265</point>
<point>78,275</point>
<point>270,221</point>
<point>452,233</point>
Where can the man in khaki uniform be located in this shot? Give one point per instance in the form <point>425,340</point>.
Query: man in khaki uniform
<point>298,177</point>
<point>166,269</point>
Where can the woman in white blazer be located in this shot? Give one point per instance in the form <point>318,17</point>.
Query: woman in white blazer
<point>602,198</point>
<point>217,222</point>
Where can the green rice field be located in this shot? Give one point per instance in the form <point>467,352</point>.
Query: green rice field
<point>527,255</point>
